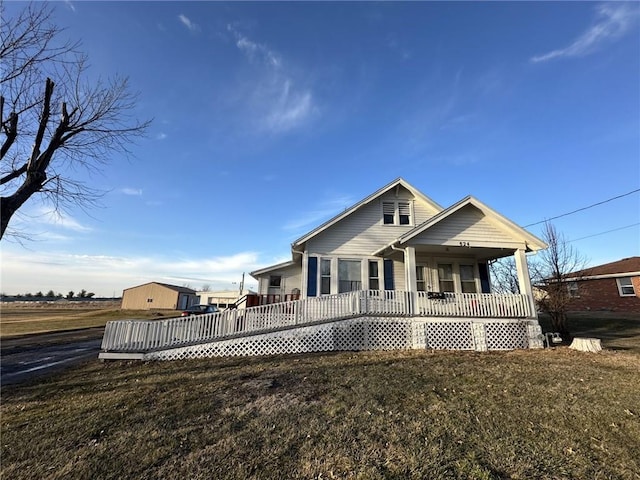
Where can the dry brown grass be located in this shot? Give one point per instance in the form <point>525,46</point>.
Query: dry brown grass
<point>525,414</point>
<point>34,317</point>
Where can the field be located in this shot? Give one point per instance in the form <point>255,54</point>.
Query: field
<point>36,317</point>
<point>549,414</point>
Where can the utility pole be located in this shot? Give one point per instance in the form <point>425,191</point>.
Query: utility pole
<point>242,285</point>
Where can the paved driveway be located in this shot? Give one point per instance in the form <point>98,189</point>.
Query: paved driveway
<point>32,356</point>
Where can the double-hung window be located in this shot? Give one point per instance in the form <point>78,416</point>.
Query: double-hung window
<point>625,286</point>
<point>445,277</point>
<point>374,275</point>
<point>467,279</point>
<point>572,289</point>
<point>325,276</point>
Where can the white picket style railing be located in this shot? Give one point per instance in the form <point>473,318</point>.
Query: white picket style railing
<point>145,335</point>
<point>487,305</point>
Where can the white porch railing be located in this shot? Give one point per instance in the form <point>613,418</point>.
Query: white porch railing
<point>140,336</point>
<point>473,305</point>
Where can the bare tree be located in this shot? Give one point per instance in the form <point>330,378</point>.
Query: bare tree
<point>54,120</point>
<point>504,276</point>
<point>551,270</point>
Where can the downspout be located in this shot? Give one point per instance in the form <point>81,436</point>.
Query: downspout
<point>393,247</point>
<point>303,272</point>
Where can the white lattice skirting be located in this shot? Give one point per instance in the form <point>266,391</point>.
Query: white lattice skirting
<point>372,333</point>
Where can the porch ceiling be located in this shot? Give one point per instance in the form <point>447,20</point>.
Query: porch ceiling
<point>480,253</point>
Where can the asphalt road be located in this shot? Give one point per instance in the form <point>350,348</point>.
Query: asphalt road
<point>34,356</point>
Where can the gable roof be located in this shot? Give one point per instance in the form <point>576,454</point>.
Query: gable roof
<point>532,242</point>
<point>166,285</point>
<point>626,265</point>
<point>271,268</point>
<point>398,182</point>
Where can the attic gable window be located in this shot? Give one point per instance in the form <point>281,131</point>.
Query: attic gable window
<point>388,212</point>
<point>396,213</point>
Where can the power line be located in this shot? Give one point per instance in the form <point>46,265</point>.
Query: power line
<point>583,208</point>
<point>602,233</point>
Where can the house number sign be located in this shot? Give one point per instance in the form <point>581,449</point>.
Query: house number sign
<point>465,244</point>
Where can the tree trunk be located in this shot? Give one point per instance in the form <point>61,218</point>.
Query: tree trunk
<point>559,322</point>
<point>10,205</point>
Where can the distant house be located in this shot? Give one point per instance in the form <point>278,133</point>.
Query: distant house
<point>155,295</point>
<point>221,298</point>
<point>613,286</point>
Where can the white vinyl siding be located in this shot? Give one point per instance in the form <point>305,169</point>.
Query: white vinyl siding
<point>364,232</point>
<point>290,279</point>
<point>469,225</point>
<point>399,280</point>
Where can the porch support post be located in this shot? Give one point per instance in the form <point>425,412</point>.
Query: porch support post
<point>524,280</point>
<point>410,277</point>
<point>410,269</point>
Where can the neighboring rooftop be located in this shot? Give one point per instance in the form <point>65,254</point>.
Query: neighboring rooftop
<point>631,264</point>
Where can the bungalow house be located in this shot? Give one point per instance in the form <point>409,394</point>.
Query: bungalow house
<point>613,286</point>
<point>399,239</point>
<point>395,270</point>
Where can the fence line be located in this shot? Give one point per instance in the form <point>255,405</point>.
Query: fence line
<point>134,335</point>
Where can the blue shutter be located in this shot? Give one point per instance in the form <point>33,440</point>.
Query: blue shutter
<point>312,277</point>
<point>388,274</point>
<point>485,284</point>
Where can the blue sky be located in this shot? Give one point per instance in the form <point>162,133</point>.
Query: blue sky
<point>269,118</point>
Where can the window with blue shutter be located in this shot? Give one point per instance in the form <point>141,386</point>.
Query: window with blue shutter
<point>388,274</point>
<point>312,277</point>
<point>485,285</point>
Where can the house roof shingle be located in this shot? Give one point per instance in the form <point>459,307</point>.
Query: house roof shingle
<point>631,264</point>
<point>172,287</point>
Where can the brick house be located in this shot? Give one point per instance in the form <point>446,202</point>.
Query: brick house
<point>613,286</point>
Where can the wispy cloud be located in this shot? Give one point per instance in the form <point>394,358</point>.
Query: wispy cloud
<point>324,211</point>
<point>186,21</point>
<point>613,20</point>
<point>277,99</point>
<point>135,192</point>
<point>70,5</point>
<point>25,271</point>
<point>60,219</point>
<point>256,51</point>
<point>161,136</point>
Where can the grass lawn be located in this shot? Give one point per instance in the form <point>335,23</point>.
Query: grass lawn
<point>34,317</point>
<point>550,414</point>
